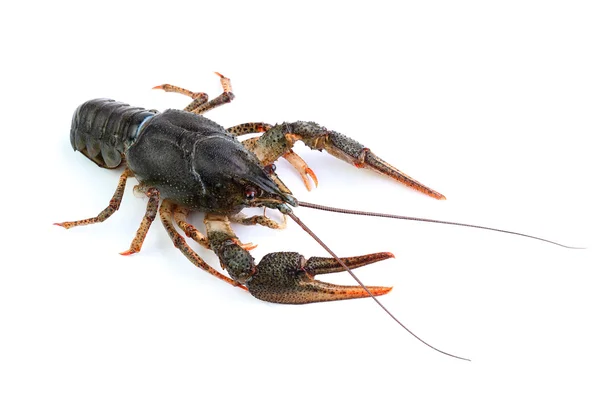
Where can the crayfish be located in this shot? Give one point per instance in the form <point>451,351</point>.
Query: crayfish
<point>185,162</point>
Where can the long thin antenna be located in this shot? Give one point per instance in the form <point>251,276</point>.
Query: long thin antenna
<point>311,233</point>
<point>383,215</point>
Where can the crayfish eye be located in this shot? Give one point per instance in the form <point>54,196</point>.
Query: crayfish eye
<point>270,169</point>
<point>249,193</point>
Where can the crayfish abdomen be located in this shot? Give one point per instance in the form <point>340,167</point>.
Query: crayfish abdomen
<point>102,128</point>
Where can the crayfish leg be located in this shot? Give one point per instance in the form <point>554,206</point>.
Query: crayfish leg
<point>258,220</point>
<point>180,216</point>
<point>166,216</point>
<point>151,209</point>
<point>176,89</point>
<point>113,205</point>
<point>303,169</point>
<point>248,128</point>
<point>294,159</point>
<point>200,103</point>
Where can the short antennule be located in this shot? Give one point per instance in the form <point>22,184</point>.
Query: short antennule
<point>436,221</point>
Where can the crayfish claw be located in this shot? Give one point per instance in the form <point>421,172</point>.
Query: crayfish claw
<point>287,277</point>
<point>278,141</point>
<point>349,150</point>
<point>375,163</point>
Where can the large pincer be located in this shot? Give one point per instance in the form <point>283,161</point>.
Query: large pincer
<point>287,277</point>
<point>347,149</point>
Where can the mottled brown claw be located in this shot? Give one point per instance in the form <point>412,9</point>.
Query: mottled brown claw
<point>288,278</point>
<point>279,140</point>
<point>351,151</point>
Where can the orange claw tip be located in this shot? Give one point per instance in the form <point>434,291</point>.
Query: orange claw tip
<point>127,253</point>
<point>242,287</point>
<point>429,192</point>
<point>59,224</point>
<point>380,256</point>
<point>219,75</point>
<point>158,87</point>
<point>313,176</point>
<point>380,290</point>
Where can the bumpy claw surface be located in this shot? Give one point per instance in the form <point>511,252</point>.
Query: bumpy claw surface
<point>288,278</point>
<point>278,142</point>
<point>351,151</point>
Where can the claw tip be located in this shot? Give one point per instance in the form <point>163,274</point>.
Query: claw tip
<point>380,291</point>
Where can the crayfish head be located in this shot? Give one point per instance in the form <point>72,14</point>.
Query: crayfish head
<point>255,185</point>
<point>233,178</point>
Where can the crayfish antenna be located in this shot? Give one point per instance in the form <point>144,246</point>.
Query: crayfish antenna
<point>365,288</point>
<point>436,221</point>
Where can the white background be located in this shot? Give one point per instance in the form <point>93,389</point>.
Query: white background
<point>494,105</point>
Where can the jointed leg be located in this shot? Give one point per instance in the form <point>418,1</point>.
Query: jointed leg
<point>226,97</point>
<point>113,205</point>
<point>200,104</point>
<point>199,98</point>
<point>166,216</point>
<point>151,208</point>
<point>303,169</point>
<point>180,216</point>
<point>233,256</point>
<point>249,127</point>
<point>258,220</point>
<point>176,89</point>
<point>256,146</point>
